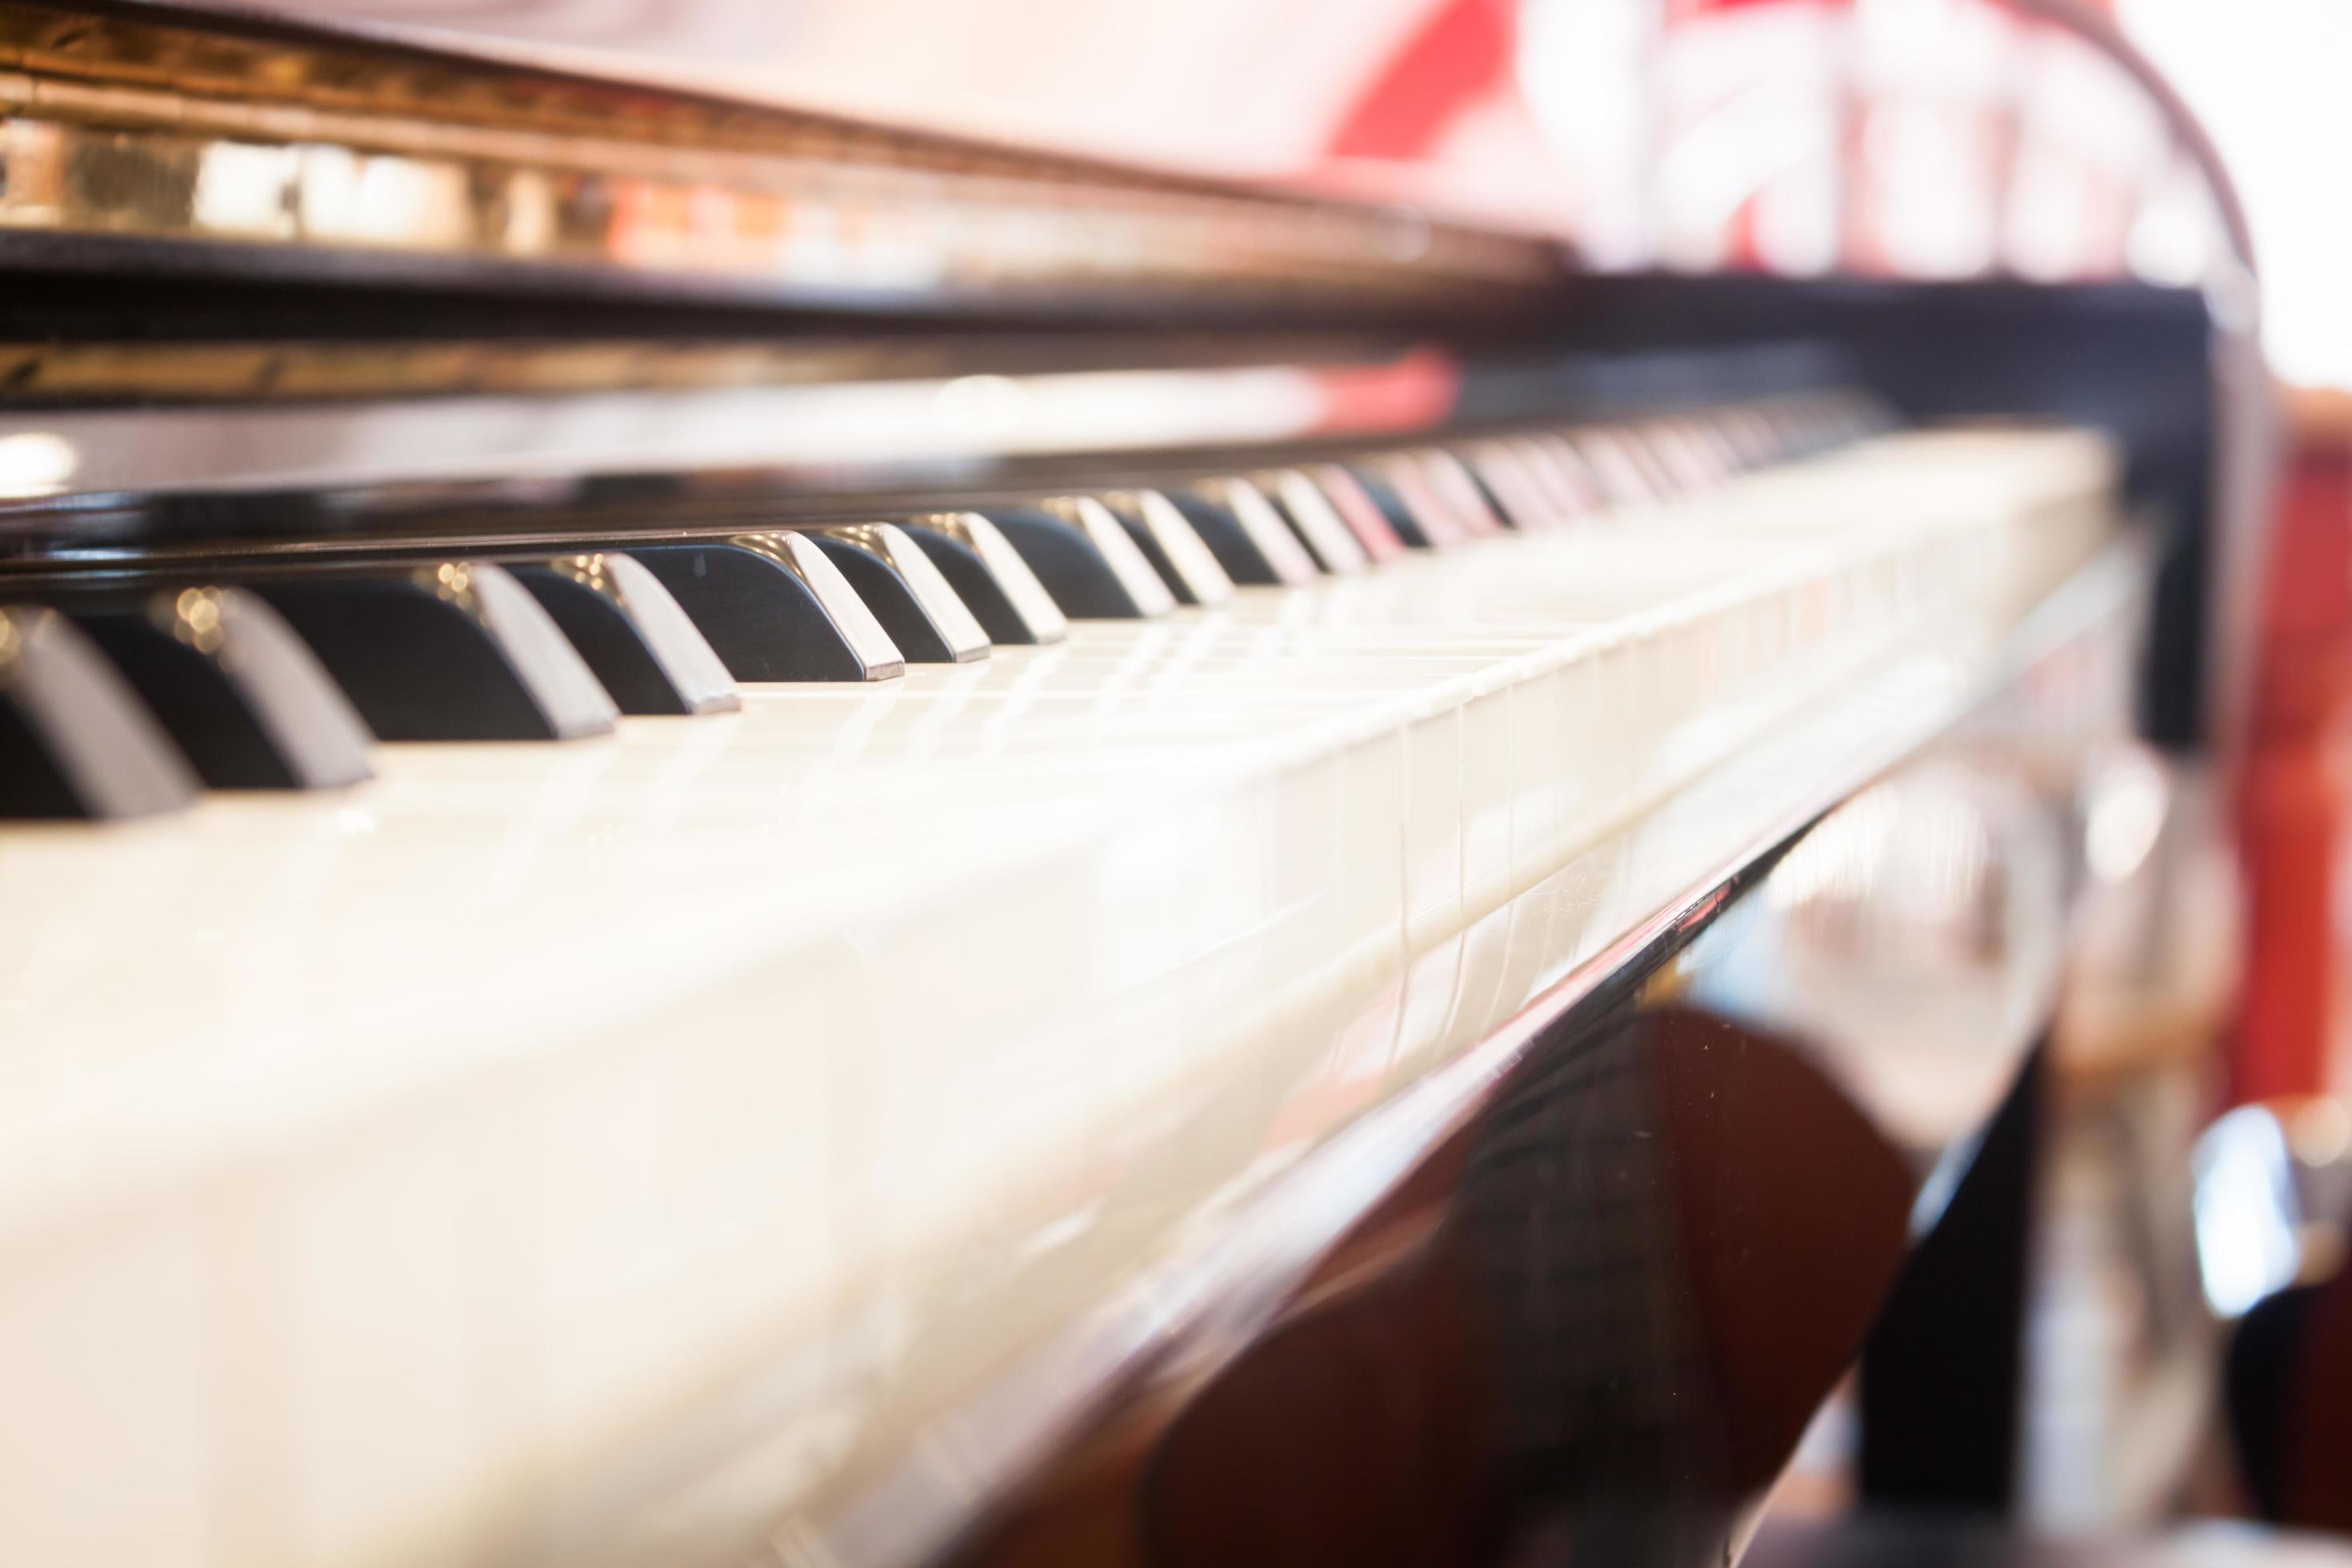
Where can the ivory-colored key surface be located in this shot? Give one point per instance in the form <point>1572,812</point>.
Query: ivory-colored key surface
<point>631,1151</point>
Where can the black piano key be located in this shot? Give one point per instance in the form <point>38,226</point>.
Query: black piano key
<point>1221,532</point>
<point>990,577</point>
<point>1076,568</point>
<point>634,636</point>
<point>1170,543</point>
<point>1385,497</point>
<point>774,608</point>
<point>1482,481</point>
<point>75,740</point>
<point>1308,512</point>
<point>907,593</point>
<point>457,651</point>
<point>242,695</point>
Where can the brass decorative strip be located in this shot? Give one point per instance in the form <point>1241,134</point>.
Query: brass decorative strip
<point>142,131</point>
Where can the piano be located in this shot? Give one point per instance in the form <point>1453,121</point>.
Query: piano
<point>741,836</point>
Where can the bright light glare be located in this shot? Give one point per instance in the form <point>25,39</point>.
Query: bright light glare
<point>2245,1208</point>
<point>2267,78</point>
<point>2125,815</point>
<point>36,463</point>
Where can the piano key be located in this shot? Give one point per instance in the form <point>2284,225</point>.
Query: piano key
<point>906,591</point>
<point>1375,483</point>
<point>1170,542</point>
<point>1620,486</point>
<point>1676,455</point>
<point>774,608</point>
<point>641,644</point>
<point>1526,504</point>
<point>1657,484</point>
<point>1576,718</point>
<point>990,576</point>
<point>1085,560</point>
<point>1575,494</point>
<point>1358,509</point>
<point>242,695</point>
<point>1421,516</point>
<point>75,740</point>
<point>1753,440</point>
<point>1085,579</point>
<point>1712,445</point>
<point>1312,517</point>
<point>1245,532</point>
<point>1459,491</point>
<point>454,651</point>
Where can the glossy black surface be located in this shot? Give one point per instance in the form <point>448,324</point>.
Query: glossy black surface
<point>613,646</point>
<point>1161,566</point>
<point>33,782</point>
<point>1223,532</point>
<point>242,718</point>
<point>75,739</point>
<point>1652,1255</point>
<point>417,667</point>
<point>1072,570</point>
<point>762,621</point>
<point>1392,505</point>
<point>892,604</point>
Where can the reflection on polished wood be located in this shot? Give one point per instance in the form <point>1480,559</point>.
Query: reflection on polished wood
<point>122,128</point>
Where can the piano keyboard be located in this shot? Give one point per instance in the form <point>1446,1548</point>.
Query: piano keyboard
<point>615,1148</point>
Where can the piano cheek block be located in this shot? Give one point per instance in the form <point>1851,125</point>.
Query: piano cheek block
<point>634,636</point>
<point>75,741</point>
<point>773,608</point>
<point>456,652</point>
<point>244,698</point>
